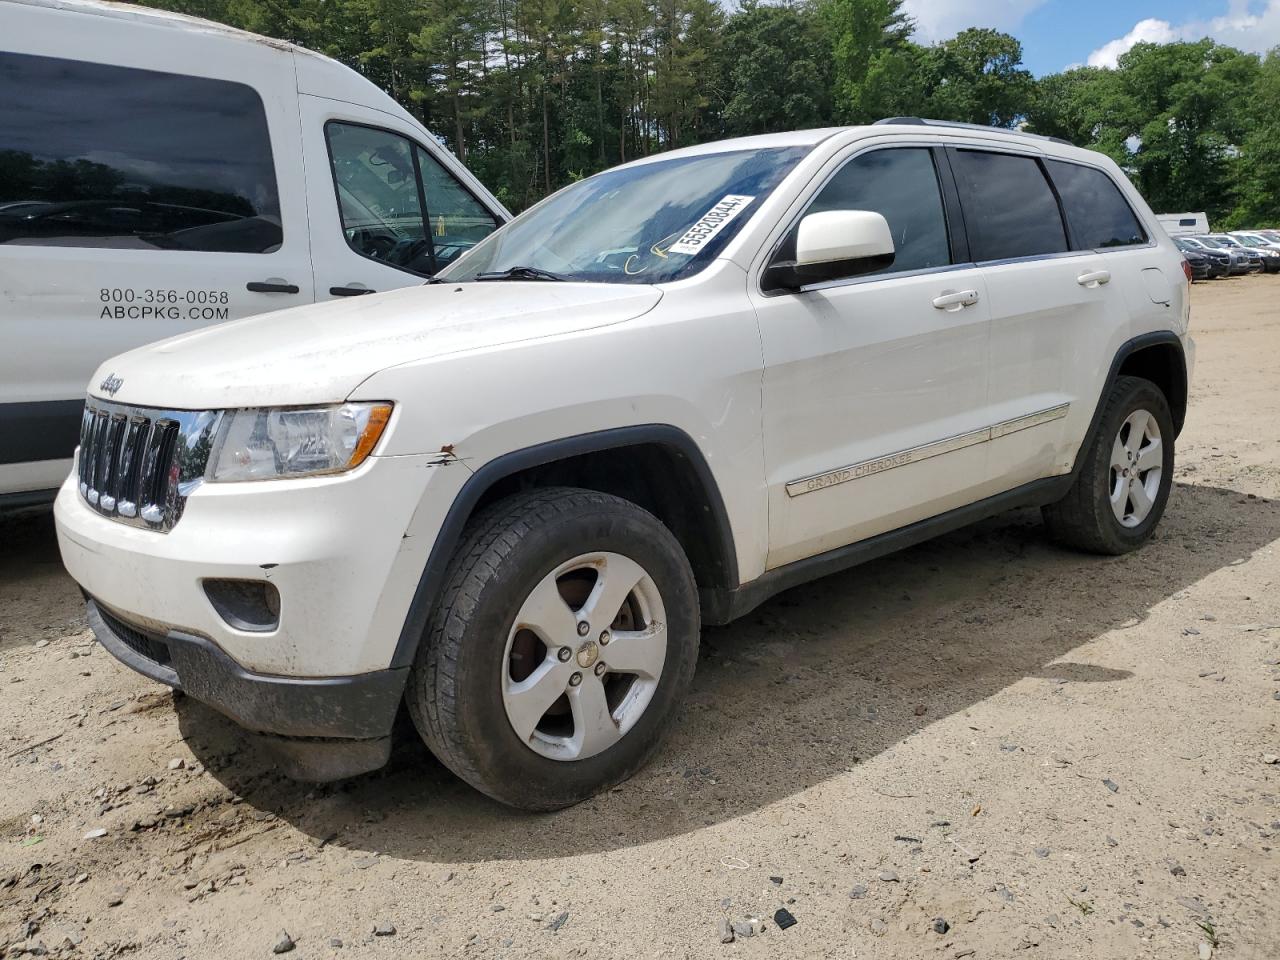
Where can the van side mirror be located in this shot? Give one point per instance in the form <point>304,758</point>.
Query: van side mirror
<point>835,245</point>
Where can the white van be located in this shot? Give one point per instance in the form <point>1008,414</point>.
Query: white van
<point>160,173</point>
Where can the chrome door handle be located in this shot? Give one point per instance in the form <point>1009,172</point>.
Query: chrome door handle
<point>1094,278</point>
<point>953,300</point>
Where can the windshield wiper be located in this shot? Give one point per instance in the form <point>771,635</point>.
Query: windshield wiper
<point>521,273</point>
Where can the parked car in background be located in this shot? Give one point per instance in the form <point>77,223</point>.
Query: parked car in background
<point>1217,262</point>
<point>511,499</point>
<point>164,173</point>
<point>1239,261</point>
<point>1254,258</point>
<point>1270,249</point>
<point>1200,264</point>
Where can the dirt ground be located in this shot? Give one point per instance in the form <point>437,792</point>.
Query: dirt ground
<point>1025,748</point>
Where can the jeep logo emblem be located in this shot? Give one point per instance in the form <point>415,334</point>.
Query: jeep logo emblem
<point>110,385</point>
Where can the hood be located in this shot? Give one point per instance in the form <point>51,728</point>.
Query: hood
<point>319,353</point>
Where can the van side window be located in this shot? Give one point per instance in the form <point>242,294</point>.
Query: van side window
<point>1097,211</point>
<point>398,204</point>
<point>458,220</point>
<point>1009,208</point>
<point>901,184</point>
<point>93,155</point>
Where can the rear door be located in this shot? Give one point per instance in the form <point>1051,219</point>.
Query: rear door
<point>136,202</point>
<point>386,210</point>
<point>1057,305</point>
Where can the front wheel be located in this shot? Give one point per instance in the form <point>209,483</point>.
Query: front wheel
<point>1123,483</point>
<point>560,650</point>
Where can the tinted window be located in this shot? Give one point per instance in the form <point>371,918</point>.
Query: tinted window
<point>1096,209</point>
<point>389,188</point>
<point>102,156</point>
<point>1187,222</point>
<point>902,186</point>
<point>1009,208</point>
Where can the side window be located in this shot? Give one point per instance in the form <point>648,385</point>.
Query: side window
<point>93,155</point>
<point>1096,209</point>
<point>901,184</point>
<point>458,220</point>
<point>1009,207</point>
<point>398,204</point>
<point>383,216</point>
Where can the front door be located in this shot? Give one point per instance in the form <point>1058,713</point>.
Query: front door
<point>386,212</point>
<point>875,388</point>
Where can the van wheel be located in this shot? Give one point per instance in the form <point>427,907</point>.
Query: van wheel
<point>560,650</point>
<point>1123,484</point>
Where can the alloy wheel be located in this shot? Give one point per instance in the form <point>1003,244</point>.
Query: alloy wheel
<point>584,656</point>
<point>1137,464</point>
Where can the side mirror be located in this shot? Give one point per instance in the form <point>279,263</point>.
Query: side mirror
<point>835,245</point>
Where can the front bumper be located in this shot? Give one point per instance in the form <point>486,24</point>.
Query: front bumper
<point>345,554</point>
<point>341,725</point>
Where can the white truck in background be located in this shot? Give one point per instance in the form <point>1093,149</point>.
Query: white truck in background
<point>1184,224</point>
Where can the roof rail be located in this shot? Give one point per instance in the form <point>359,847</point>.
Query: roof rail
<point>922,122</point>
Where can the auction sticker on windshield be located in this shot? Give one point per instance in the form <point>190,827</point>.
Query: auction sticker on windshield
<point>710,223</point>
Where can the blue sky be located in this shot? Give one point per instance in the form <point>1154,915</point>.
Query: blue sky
<point>1060,33</point>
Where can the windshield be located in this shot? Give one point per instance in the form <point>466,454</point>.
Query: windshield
<point>650,223</point>
<point>1227,242</point>
<point>1209,242</point>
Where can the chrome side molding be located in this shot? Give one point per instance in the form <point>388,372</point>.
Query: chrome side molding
<point>926,451</point>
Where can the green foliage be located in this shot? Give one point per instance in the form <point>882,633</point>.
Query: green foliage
<point>1181,118</point>
<point>775,69</point>
<point>533,94</point>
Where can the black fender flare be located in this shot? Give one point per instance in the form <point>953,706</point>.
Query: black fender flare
<point>432,579</point>
<point>1126,350</point>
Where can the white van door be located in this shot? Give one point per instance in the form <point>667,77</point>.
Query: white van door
<point>386,209</point>
<point>136,204</point>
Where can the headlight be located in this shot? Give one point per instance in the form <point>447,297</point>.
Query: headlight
<point>273,443</point>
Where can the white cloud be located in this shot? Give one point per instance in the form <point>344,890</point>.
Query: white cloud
<point>941,19</point>
<point>1145,31</point>
<point>1248,24</point>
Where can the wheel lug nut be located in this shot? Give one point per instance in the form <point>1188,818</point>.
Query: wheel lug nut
<point>564,653</point>
<point>604,637</point>
<point>600,669</point>
<point>575,680</point>
<point>583,628</point>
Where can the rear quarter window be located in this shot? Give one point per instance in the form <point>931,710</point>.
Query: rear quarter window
<point>93,155</point>
<point>1097,212</point>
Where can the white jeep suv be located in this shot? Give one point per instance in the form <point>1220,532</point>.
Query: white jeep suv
<point>510,499</point>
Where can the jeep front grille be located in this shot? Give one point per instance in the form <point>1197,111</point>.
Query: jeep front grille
<point>138,464</point>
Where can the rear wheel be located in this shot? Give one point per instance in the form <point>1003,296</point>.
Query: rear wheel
<point>1124,480</point>
<point>560,650</point>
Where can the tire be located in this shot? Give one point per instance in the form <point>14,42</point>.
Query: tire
<point>1086,518</point>
<point>554,558</point>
